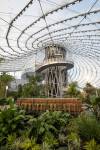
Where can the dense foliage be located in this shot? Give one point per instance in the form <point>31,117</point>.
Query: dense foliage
<point>5,80</point>
<point>33,88</point>
<point>48,130</point>
<point>30,131</point>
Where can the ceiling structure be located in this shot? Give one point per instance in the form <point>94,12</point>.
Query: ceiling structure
<point>28,26</point>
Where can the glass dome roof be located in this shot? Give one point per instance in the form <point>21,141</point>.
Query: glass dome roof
<point>27,26</point>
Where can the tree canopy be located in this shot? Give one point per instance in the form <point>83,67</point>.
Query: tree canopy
<point>5,80</point>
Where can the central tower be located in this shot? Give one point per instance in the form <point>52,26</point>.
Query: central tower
<point>54,70</point>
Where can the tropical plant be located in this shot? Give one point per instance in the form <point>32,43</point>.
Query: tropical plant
<point>48,123</point>
<point>19,89</point>
<point>74,141</point>
<point>32,88</point>
<point>95,102</point>
<point>49,130</point>
<point>49,141</point>
<point>5,80</point>
<point>94,106</point>
<point>89,90</point>
<point>21,143</point>
<point>92,145</point>
<point>24,132</point>
<point>98,92</point>
<point>72,90</point>
<point>87,127</point>
<point>10,139</point>
<point>13,121</point>
<point>3,101</point>
<point>27,143</point>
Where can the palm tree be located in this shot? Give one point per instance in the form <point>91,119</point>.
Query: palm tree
<point>95,102</point>
<point>72,90</point>
<point>89,91</point>
<point>5,80</point>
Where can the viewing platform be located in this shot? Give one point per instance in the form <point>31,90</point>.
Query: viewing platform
<point>65,64</point>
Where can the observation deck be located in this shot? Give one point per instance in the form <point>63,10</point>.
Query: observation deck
<point>65,64</point>
<point>54,70</point>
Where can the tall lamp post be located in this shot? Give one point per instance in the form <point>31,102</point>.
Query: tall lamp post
<point>6,90</point>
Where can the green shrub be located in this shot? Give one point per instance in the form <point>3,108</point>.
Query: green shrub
<point>87,127</point>
<point>92,145</point>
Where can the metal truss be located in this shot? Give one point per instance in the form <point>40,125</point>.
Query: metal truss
<point>56,23</point>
